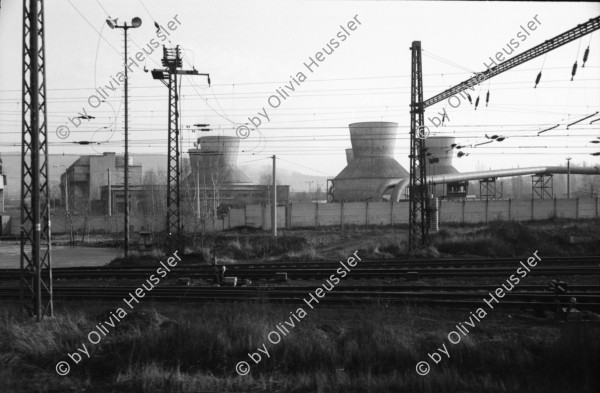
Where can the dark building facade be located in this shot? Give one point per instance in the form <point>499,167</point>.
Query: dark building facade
<point>81,183</point>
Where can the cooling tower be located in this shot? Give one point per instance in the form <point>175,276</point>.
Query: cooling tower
<point>373,164</point>
<point>439,160</point>
<point>349,155</point>
<point>440,149</point>
<point>215,162</point>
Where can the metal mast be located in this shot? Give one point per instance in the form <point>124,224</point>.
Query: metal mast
<point>36,266</point>
<point>418,214</point>
<point>417,219</point>
<point>172,61</point>
<point>562,39</point>
<point>135,23</point>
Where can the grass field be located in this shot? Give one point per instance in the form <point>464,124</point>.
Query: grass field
<point>166,347</point>
<point>497,239</point>
<point>352,349</point>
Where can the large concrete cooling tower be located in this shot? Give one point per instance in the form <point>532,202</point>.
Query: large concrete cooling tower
<point>215,162</point>
<point>371,165</point>
<point>349,155</point>
<point>439,161</point>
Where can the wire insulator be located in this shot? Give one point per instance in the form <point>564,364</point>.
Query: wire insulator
<point>537,80</point>
<point>585,56</point>
<point>573,71</point>
<point>476,102</point>
<point>469,97</point>
<point>487,98</point>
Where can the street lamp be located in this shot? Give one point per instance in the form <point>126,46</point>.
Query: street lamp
<point>135,23</point>
<point>568,177</point>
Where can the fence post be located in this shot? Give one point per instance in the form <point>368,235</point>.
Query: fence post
<point>392,213</point>
<point>509,208</point>
<point>463,210</point>
<point>554,206</point>
<point>486,209</point>
<point>316,214</point>
<point>532,207</point>
<point>342,214</point>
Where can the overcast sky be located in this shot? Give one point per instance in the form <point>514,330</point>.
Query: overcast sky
<point>252,48</point>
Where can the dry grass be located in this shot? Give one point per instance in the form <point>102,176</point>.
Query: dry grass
<point>497,239</point>
<point>372,349</point>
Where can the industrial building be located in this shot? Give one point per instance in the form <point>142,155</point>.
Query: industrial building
<point>143,198</point>
<point>216,180</point>
<point>81,183</point>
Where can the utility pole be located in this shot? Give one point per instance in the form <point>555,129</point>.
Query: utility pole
<point>67,193</point>
<point>198,191</point>
<point>568,177</point>
<point>109,210</point>
<point>417,219</point>
<point>168,76</point>
<point>310,195</point>
<point>274,204</point>
<point>135,23</point>
<point>36,262</point>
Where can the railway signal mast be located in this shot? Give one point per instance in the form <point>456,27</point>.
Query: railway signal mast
<point>36,266</point>
<point>417,220</point>
<point>168,76</point>
<point>419,212</point>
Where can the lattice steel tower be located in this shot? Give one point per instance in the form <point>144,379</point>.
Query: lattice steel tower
<point>417,219</point>
<point>36,266</point>
<point>172,61</point>
<point>419,212</point>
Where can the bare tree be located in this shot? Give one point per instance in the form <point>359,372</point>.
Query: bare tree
<point>590,186</point>
<point>266,179</point>
<point>266,175</point>
<point>154,190</point>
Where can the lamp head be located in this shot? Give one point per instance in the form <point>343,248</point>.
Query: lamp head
<point>136,22</point>
<point>111,23</point>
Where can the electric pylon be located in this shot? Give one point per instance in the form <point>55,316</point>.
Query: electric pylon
<point>36,265</point>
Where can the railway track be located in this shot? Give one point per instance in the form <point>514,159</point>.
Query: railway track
<point>365,269</point>
<point>536,296</point>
